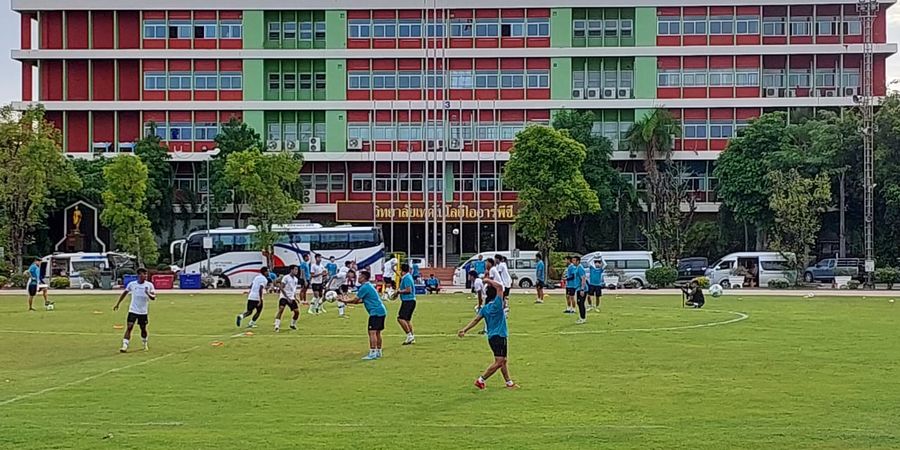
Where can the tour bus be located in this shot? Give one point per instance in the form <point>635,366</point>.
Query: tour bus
<point>235,262</point>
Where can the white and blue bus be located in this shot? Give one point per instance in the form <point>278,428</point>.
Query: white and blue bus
<point>235,261</point>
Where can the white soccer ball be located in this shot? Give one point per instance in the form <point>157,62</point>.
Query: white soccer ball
<point>716,290</point>
<point>50,307</point>
<point>330,296</point>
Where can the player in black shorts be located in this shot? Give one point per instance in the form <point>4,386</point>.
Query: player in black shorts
<point>288,298</point>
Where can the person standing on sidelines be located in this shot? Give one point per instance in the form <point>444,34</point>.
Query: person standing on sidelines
<point>142,292</point>
<point>417,275</point>
<point>255,298</point>
<point>304,278</point>
<point>595,283</point>
<point>368,296</point>
<point>540,277</point>
<point>407,304</point>
<point>505,278</point>
<point>478,289</point>
<point>479,265</point>
<point>35,285</point>
<point>497,333</point>
<point>288,298</point>
<point>571,286</point>
<point>581,289</point>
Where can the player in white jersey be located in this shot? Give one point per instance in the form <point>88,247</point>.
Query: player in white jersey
<point>389,275</point>
<point>505,278</point>
<point>255,298</point>
<point>288,297</point>
<point>318,274</point>
<point>338,285</point>
<point>142,292</point>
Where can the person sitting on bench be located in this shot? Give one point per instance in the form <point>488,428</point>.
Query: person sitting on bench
<point>433,285</point>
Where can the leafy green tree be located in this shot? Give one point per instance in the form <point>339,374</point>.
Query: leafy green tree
<point>235,136</point>
<point>124,200</point>
<point>887,182</point>
<point>267,182</point>
<point>615,195</point>
<point>34,173</point>
<point>545,168</point>
<point>797,204</point>
<point>159,204</point>
<point>90,171</point>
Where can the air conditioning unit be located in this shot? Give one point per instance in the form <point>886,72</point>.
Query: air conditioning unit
<point>273,145</point>
<point>851,91</point>
<point>791,92</point>
<point>354,144</point>
<point>624,93</point>
<point>592,93</point>
<point>577,93</point>
<point>609,92</point>
<point>309,196</point>
<point>291,146</point>
<point>436,144</point>
<point>126,147</point>
<point>315,144</point>
<point>101,147</point>
<point>456,144</point>
<point>829,92</point>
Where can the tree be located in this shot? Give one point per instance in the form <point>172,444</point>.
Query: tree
<point>653,136</point>
<point>545,168</point>
<point>159,204</point>
<point>235,136</point>
<point>124,199</point>
<point>887,181</point>
<point>615,195</point>
<point>34,172</point>
<point>797,205</point>
<point>267,183</point>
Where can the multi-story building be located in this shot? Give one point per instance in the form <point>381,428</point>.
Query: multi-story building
<point>405,110</point>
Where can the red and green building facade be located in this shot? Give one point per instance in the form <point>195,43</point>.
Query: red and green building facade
<point>400,106</point>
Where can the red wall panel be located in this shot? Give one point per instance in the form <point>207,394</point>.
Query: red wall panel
<point>51,30</point>
<point>104,79</point>
<point>51,75</point>
<point>129,29</point>
<point>77,131</point>
<point>104,126</point>
<point>129,79</point>
<point>25,31</point>
<point>76,29</point>
<point>103,29</point>
<point>77,79</point>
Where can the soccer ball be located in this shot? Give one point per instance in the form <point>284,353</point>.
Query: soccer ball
<point>331,296</point>
<point>388,294</point>
<point>716,290</point>
<point>50,307</point>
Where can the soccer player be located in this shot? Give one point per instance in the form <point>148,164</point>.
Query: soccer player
<point>478,289</point>
<point>368,296</point>
<point>505,278</point>
<point>142,291</point>
<point>407,304</point>
<point>317,280</point>
<point>331,267</point>
<point>540,275</point>
<point>595,283</point>
<point>479,265</point>
<point>338,284</point>
<point>304,278</point>
<point>34,284</point>
<point>581,289</point>
<point>417,276</point>
<point>288,298</point>
<point>495,320</point>
<point>255,298</point>
<point>571,286</point>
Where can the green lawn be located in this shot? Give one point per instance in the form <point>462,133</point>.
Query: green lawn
<point>819,373</point>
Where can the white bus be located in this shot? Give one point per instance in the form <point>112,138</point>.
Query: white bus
<point>234,260</point>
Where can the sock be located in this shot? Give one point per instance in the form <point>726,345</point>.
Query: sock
<point>252,322</point>
<point>145,339</point>
<point>124,342</point>
<point>341,309</point>
<point>277,323</point>
<point>510,382</point>
<point>293,322</point>
<point>481,379</point>
<point>378,351</point>
<point>373,352</point>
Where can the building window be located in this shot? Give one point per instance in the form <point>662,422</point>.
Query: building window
<point>230,29</point>
<point>773,26</point>
<point>746,77</point>
<point>512,80</point>
<point>384,29</point>
<point>274,31</point>
<point>155,81</point>
<point>694,130</point>
<point>434,79</point>
<point>721,77</point>
<point>827,26</point>
<point>668,78</point>
<point>273,131</point>
<point>274,81</point>
<point>306,81</point>
<point>409,29</point>
<point>747,25</point>
<point>461,79</point>
<point>205,30</point>
<point>539,79</point>
<point>579,28</point>
<point>461,28</point>
<point>290,132</point>
<point>180,81</point>
<point>155,29</point>
<point>668,26</point>
<point>409,80</point>
<point>180,132</point>
<point>289,81</point>
<point>800,26</point>
<point>798,79</point>
<point>180,29</point>
<point>538,27</point>
<point>825,78</point>
<point>360,29</point>
<point>320,81</point>
<point>773,78</point>
<point>695,78</point>
<point>361,182</point>
<point>306,31</point>
<point>512,28</point>
<point>486,79</point>
<point>358,80</point>
<point>231,81</point>
<point>159,127</point>
<point>435,29</point>
<point>721,130</point>
<point>384,80</point>
<point>487,28</point>
<point>337,183</point>
<point>852,26</point>
<point>206,131</point>
<point>595,28</point>
<point>319,28</point>
<point>206,81</point>
<point>722,25</point>
<point>694,25</point>
<point>626,28</point>
<point>289,30</point>
<point>611,28</point>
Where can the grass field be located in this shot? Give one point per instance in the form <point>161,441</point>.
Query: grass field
<point>757,372</point>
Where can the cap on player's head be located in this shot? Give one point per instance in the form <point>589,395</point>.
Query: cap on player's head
<point>473,274</point>
<point>364,275</point>
<point>263,270</point>
<point>491,291</point>
<point>404,267</point>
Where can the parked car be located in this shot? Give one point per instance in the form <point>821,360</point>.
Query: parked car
<point>690,268</point>
<point>633,264</point>
<point>824,270</point>
<point>759,268</point>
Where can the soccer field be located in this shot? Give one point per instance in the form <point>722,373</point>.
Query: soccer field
<point>752,372</point>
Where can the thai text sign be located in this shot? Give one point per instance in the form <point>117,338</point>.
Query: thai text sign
<point>349,211</point>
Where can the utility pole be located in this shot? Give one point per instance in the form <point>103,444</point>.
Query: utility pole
<point>867,10</point>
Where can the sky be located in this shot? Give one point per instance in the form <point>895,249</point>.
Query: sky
<point>10,71</point>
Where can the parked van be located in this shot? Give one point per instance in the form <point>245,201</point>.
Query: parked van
<point>633,264</point>
<point>760,267</point>
<point>521,267</point>
<point>70,265</point>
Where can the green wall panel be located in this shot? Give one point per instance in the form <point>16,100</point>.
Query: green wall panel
<point>645,27</point>
<point>254,29</point>
<point>336,131</point>
<point>645,77</point>
<point>253,79</point>
<point>561,78</point>
<point>335,29</point>
<point>254,119</point>
<point>561,27</point>
<point>336,79</point>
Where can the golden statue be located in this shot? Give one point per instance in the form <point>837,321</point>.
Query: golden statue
<point>76,220</point>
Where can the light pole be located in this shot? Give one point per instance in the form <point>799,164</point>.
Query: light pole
<point>207,242</point>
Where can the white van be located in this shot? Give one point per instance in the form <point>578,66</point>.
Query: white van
<point>761,268</point>
<point>71,264</point>
<point>521,268</point>
<point>633,264</point>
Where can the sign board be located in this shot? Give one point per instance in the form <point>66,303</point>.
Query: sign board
<point>357,211</point>
<point>870,265</point>
<point>207,243</point>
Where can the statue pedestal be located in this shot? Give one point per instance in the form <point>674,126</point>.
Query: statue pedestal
<point>74,242</point>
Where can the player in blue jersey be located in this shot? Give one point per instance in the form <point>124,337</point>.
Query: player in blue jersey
<point>540,278</point>
<point>368,296</point>
<point>407,293</point>
<point>497,332</point>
